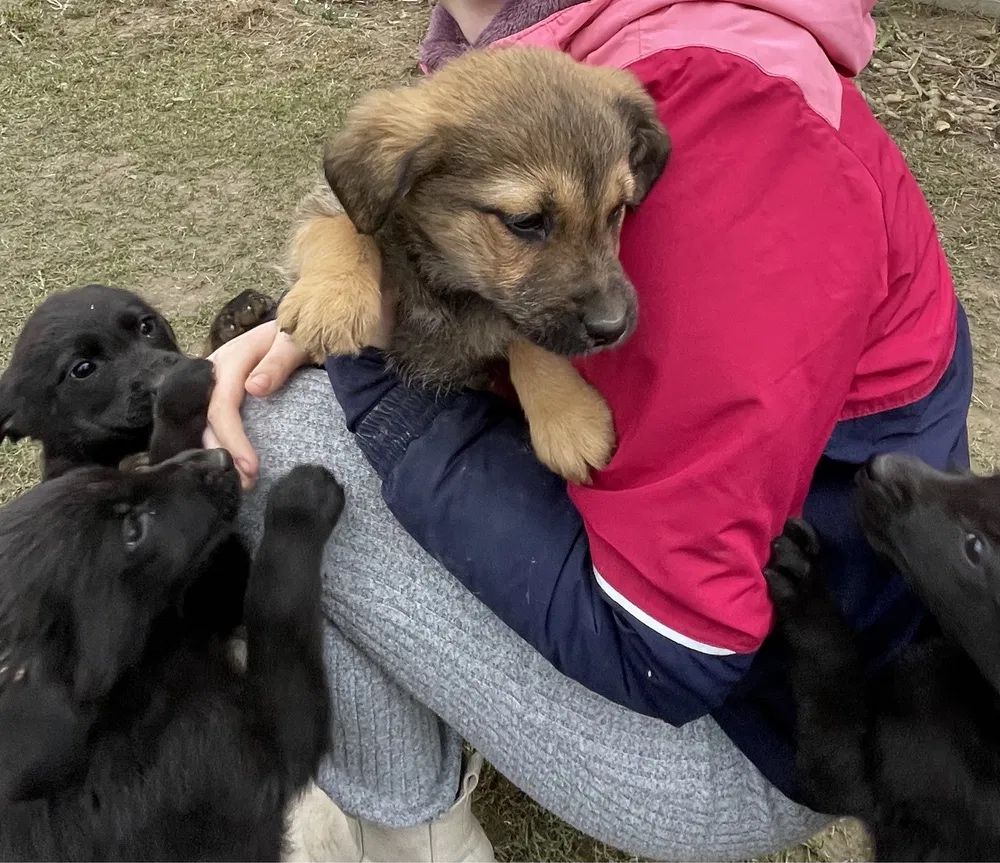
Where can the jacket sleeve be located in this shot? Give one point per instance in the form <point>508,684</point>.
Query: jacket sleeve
<point>459,474</point>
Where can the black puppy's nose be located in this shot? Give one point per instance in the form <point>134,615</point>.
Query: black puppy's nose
<point>606,329</point>
<point>897,467</point>
<point>203,459</point>
<point>214,459</point>
<point>880,467</point>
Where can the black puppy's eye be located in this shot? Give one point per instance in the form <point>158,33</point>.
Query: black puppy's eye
<point>135,527</point>
<point>147,326</point>
<point>527,226</point>
<point>83,369</point>
<point>973,548</point>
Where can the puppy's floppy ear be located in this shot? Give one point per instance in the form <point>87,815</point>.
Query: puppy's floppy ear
<point>10,409</point>
<point>650,141</point>
<point>384,147</point>
<point>43,741</point>
<point>107,636</point>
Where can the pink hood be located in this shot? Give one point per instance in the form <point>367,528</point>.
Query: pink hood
<point>843,28</point>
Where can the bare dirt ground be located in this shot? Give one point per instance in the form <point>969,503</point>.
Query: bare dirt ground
<point>161,146</point>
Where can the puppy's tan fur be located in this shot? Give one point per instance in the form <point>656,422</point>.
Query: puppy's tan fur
<point>335,302</point>
<point>432,177</point>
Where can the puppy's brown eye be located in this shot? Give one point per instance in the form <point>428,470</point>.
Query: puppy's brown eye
<point>147,326</point>
<point>617,215</point>
<point>135,527</point>
<point>527,226</point>
<point>83,369</point>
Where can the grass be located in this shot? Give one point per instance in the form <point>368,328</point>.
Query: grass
<point>162,145</point>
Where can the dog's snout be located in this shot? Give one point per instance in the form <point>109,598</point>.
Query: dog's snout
<point>879,468</point>
<point>608,318</point>
<point>895,468</point>
<point>159,368</point>
<point>218,459</point>
<point>212,460</point>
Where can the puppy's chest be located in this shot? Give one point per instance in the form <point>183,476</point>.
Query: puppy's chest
<point>165,690</point>
<point>447,341</point>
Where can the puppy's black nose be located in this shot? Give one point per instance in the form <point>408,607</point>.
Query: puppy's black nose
<point>217,459</point>
<point>880,467</point>
<point>203,459</point>
<point>608,328</point>
<point>897,467</point>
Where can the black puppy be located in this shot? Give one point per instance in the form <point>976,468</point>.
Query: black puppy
<point>84,373</point>
<point>97,378</point>
<point>914,751</point>
<point>124,738</point>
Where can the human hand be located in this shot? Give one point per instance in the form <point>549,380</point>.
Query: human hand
<point>257,362</point>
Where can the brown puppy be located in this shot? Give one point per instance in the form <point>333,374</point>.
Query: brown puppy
<point>494,192</point>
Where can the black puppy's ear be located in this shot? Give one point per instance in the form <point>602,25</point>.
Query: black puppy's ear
<point>10,408</point>
<point>384,147</point>
<point>107,641</point>
<point>650,141</point>
<point>43,742</point>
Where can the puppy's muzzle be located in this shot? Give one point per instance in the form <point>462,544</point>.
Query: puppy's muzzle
<point>161,366</point>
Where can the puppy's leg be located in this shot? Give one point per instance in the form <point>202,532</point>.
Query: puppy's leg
<point>180,413</point>
<point>571,427</point>
<point>284,642</point>
<point>826,676</point>
<point>335,304</point>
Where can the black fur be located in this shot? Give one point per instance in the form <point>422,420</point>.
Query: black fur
<point>914,751</point>
<point>142,402</point>
<point>84,374</point>
<point>126,733</point>
<point>125,736</point>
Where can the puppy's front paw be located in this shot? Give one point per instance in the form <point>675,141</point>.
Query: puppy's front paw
<point>793,560</point>
<point>183,396</point>
<point>241,314</point>
<point>574,437</point>
<point>332,317</point>
<point>308,496</point>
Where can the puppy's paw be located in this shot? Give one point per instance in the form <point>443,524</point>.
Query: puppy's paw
<point>793,560</point>
<point>241,314</point>
<point>574,437</point>
<point>183,396</point>
<point>136,461</point>
<point>332,316</point>
<point>308,496</point>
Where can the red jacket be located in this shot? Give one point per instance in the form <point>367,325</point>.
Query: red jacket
<point>789,276</point>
